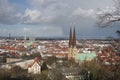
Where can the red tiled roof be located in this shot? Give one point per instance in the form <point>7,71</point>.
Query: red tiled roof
<point>35,60</point>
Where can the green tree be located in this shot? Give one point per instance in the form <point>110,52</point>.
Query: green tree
<point>98,71</point>
<point>42,76</point>
<point>17,71</point>
<point>44,66</point>
<point>35,55</point>
<point>51,60</point>
<point>4,74</point>
<point>72,63</point>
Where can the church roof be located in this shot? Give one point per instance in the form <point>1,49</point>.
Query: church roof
<point>84,56</point>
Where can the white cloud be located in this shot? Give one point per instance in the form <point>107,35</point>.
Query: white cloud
<point>35,16</point>
<point>52,11</point>
<point>47,13</point>
<point>44,11</point>
<point>106,10</point>
<point>84,12</point>
<point>31,16</point>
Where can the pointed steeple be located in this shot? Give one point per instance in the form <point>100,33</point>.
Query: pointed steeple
<point>70,38</point>
<point>74,38</point>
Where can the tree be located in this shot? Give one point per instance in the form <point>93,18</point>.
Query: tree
<point>72,63</point>
<point>4,74</point>
<point>17,71</point>
<point>118,32</point>
<point>51,60</point>
<point>42,76</point>
<point>35,55</point>
<point>106,18</point>
<point>44,66</point>
<point>56,74</point>
<point>98,71</point>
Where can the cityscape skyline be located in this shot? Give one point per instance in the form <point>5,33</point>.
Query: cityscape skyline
<point>53,18</point>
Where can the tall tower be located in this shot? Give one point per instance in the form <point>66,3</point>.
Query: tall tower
<point>74,49</point>
<point>72,45</point>
<point>74,38</point>
<point>70,38</point>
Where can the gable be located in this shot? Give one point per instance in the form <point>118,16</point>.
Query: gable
<point>35,63</point>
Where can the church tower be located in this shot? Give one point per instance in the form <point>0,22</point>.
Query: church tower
<point>72,45</point>
<point>74,49</point>
<point>70,39</point>
<point>74,39</point>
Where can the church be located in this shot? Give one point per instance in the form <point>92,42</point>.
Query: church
<point>72,45</point>
<point>74,52</point>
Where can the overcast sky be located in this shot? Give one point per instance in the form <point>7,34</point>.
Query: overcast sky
<point>53,18</point>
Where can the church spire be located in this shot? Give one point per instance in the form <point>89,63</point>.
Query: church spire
<point>74,38</point>
<point>70,38</point>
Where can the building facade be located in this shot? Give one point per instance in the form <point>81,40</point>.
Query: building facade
<point>35,67</point>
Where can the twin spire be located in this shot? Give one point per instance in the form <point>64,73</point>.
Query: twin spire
<point>72,38</point>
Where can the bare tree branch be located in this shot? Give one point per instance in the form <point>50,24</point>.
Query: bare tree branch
<point>107,18</point>
<point>118,32</point>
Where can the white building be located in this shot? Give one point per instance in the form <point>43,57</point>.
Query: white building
<point>11,62</point>
<point>35,67</point>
